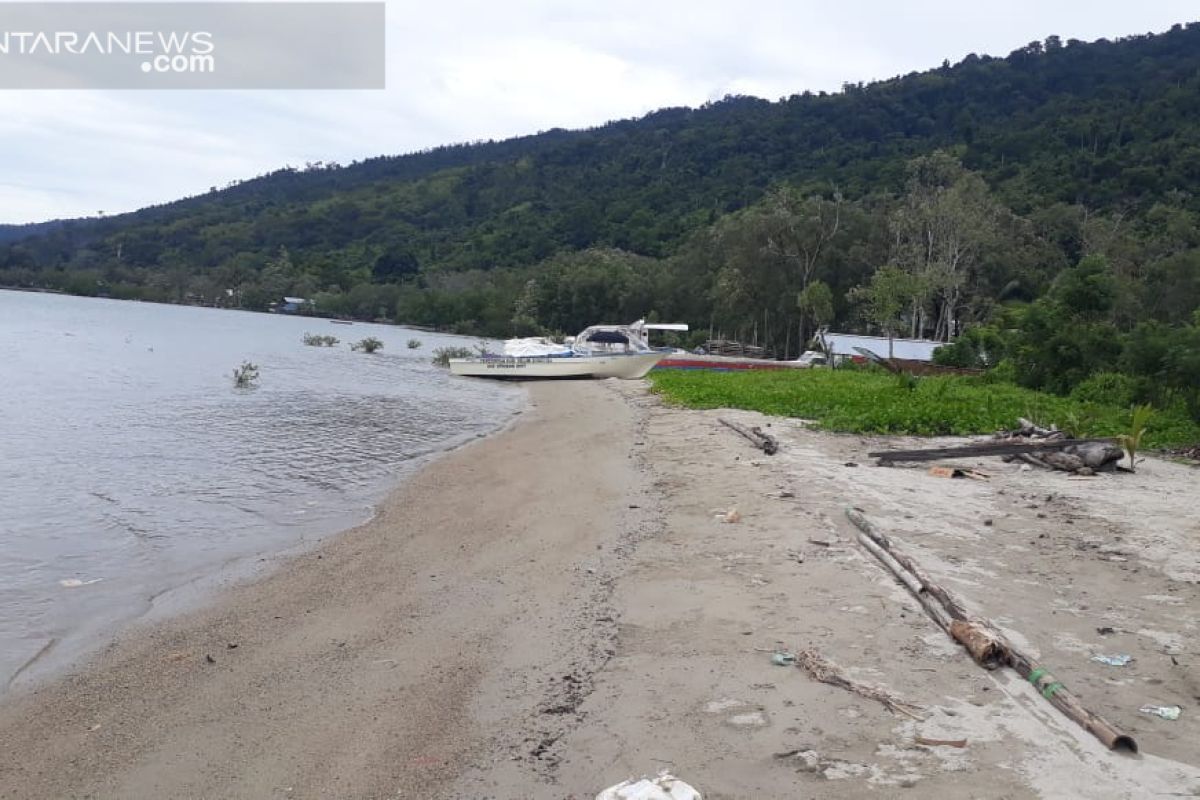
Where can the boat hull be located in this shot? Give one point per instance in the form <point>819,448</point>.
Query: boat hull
<point>627,367</point>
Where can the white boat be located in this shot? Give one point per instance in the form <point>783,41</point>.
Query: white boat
<point>601,351</point>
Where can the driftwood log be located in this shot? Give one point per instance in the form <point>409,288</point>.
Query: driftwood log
<point>990,448</point>
<point>985,643</point>
<point>1027,428</point>
<point>1083,458</point>
<point>763,441</point>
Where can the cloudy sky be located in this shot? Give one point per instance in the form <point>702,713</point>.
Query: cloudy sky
<point>461,70</point>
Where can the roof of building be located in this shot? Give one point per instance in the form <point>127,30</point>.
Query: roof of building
<point>843,344</point>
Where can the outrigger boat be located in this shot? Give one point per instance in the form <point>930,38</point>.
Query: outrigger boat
<point>601,351</point>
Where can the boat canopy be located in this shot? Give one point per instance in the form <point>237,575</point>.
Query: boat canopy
<point>534,346</point>
<point>596,340</point>
<point>608,337</point>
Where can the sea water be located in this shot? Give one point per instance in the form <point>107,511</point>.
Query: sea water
<point>131,465</point>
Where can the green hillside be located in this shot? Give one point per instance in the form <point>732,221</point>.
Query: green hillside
<point>987,186</point>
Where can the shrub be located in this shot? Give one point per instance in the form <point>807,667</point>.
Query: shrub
<point>367,345</point>
<point>442,355</point>
<point>320,340</point>
<point>1004,372</point>
<point>245,376</point>
<point>1106,389</point>
<point>414,344</point>
<point>976,348</point>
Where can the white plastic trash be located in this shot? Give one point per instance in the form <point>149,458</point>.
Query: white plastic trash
<point>665,787</point>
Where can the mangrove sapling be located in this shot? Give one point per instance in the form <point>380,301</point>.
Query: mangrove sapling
<point>320,340</point>
<point>442,355</point>
<point>1139,419</point>
<point>367,345</point>
<point>414,344</point>
<point>245,376</point>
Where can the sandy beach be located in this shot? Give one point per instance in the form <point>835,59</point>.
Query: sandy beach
<point>553,609</point>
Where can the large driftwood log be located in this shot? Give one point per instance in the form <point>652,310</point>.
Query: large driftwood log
<point>1062,460</point>
<point>1097,455</point>
<point>1082,458</point>
<point>764,441</point>
<point>982,639</point>
<point>994,448</point>
<point>968,631</point>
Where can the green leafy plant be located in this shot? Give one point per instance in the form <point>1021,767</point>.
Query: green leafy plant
<point>367,345</point>
<point>1139,421</point>
<point>245,376</point>
<point>442,355</point>
<point>414,344</point>
<point>867,401</point>
<point>320,340</point>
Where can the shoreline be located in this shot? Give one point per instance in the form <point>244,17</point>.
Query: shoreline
<point>399,615</point>
<point>560,607</point>
<point>60,655</point>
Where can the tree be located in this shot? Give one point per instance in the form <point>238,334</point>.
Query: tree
<point>1066,336</point>
<point>885,297</point>
<point>940,230</point>
<point>815,302</point>
<point>525,310</point>
<point>797,230</point>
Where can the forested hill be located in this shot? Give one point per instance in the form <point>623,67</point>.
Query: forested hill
<point>1100,124</point>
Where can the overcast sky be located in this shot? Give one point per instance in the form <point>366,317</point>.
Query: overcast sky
<point>461,70</point>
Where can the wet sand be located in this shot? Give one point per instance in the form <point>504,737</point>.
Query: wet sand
<point>551,610</point>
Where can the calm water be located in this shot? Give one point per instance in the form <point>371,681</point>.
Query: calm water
<point>130,465</point>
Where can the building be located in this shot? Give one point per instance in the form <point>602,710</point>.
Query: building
<point>849,346</point>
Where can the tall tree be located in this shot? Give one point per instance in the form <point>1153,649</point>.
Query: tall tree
<point>815,302</point>
<point>885,298</point>
<point>940,229</point>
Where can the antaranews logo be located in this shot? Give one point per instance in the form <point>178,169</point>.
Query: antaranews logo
<point>178,52</point>
<point>185,44</point>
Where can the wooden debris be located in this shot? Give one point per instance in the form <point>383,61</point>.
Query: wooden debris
<point>827,672</point>
<point>985,643</point>
<point>987,448</point>
<point>960,743</point>
<point>1027,429</point>
<point>763,441</point>
<point>1085,458</point>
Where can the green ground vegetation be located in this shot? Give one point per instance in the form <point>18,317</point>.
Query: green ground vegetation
<point>873,401</point>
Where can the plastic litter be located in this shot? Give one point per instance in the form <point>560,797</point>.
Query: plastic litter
<point>730,515</point>
<point>955,472</point>
<point>1114,661</point>
<point>783,659</point>
<point>665,787</point>
<point>1166,712</point>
